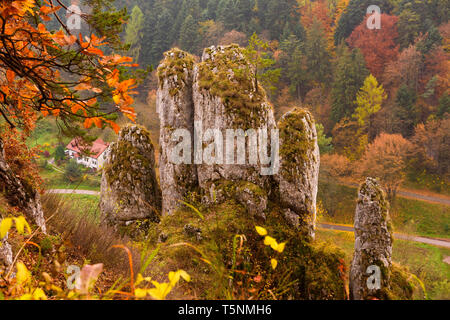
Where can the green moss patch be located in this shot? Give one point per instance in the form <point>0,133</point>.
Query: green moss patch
<point>222,269</point>
<point>229,75</point>
<point>296,146</point>
<point>176,64</point>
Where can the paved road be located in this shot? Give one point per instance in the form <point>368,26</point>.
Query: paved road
<point>82,192</point>
<point>434,242</point>
<point>412,195</point>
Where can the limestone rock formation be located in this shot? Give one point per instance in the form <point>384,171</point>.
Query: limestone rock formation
<point>228,100</point>
<point>373,244</point>
<point>176,111</point>
<point>233,139</point>
<point>130,190</point>
<point>299,168</point>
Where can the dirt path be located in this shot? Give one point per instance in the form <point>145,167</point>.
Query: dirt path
<point>81,192</point>
<point>441,199</point>
<point>434,242</point>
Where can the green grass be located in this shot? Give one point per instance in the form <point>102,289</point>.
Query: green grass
<point>427,182</point>
<point>54,179</point>
<point>83,204</point>
<point>425,261</point>
<point>409,216</point>
<point>47,132</point>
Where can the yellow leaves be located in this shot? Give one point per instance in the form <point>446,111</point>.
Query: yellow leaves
<point>116,98</point>
<point>21,225</point>
<point>280,247</point>
<point>274,263</point>
<point>269,241</point>
<point>273,243</point>
<point>23,276</point>
<point>160,290</point>
<point>5,225</point>
<point>261,231</point>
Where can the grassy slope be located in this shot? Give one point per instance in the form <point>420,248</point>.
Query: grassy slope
<point>409,216</point>
<point>423,260</point>
<point>55,180</point>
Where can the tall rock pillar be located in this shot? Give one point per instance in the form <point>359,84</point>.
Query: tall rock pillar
<point>371,266</point>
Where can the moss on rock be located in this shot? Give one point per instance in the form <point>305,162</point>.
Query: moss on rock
<point>226,73</point>
<point>177,65</point>
<point>130,190</point>
<point>305,270</point>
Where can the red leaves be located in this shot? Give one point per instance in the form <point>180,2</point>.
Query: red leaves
<point>378,46</point>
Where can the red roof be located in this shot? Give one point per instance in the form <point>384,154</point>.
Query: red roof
<point>98,147</point>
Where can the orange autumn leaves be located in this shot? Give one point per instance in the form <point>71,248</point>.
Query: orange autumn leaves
<point>31,84</point>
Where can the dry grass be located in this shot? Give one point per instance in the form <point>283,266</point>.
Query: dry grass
<point>93,241</point>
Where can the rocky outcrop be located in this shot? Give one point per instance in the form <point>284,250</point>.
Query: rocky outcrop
<point>176,111</point>
<point>229,104</point>
<point>299,169</point>
<point>219,141</point>
<point>233,140</point>
<point>371,266</point>
<point>130,190</point>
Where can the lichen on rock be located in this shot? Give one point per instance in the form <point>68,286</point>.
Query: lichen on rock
<point>176,111</point>
<point>225,98</point>
<point>227,74</point>
<point>373,242</point>
<point>299,168</point>
<point>129,189</point>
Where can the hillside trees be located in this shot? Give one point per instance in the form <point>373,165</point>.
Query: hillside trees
<point>133,35</point>
<point>369,100</point>
<point>189,35</point>
<point>318,59</point>
<point>378,46</point>
<point>349,75</point>
<point>354,14</point>
<point>387,159</point>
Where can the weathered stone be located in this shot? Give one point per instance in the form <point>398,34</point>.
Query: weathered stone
<point>6,256</point>
<point>176,111</point>
<point>373,242</point>
<point>299,168</point>
<point>226,97</point>
<point>129,194</point>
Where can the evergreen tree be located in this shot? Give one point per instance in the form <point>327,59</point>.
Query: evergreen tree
<point>317,56</point>
<point>405,112</point>
<point>133,36</point>
<point>349,77</point>
<point>161,42</point>
<point>189,35</point>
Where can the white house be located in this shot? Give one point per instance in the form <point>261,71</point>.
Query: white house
<point>94,158</point>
